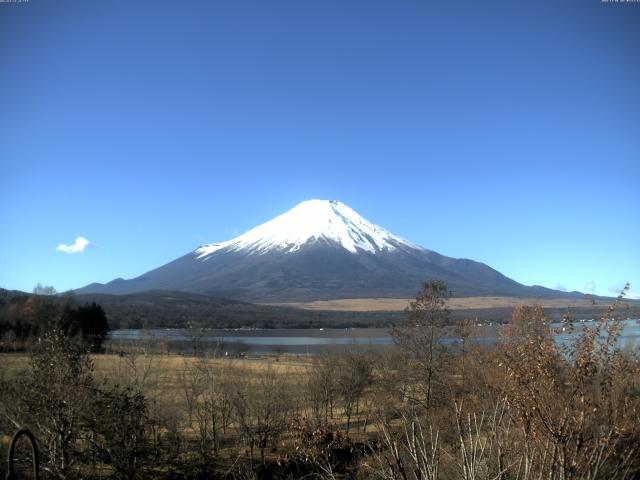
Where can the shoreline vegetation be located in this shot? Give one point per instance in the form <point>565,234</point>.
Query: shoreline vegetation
<point>162,309</point>
<point>524,407</point>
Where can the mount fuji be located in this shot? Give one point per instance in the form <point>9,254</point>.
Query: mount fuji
<point>319,250</point>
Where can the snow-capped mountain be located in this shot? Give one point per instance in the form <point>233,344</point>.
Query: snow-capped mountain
<point>318,250</point>
<point>312,221</point>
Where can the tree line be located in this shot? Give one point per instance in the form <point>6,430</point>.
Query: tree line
<point>25,318</point>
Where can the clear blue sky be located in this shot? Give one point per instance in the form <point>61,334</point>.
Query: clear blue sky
<point>506,132</point>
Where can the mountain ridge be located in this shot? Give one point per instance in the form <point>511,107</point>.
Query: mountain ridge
<point>319,250</point>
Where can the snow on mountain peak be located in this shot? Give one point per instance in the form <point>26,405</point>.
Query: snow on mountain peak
<point>309,221</point>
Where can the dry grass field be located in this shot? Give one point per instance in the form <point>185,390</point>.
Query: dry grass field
<point>172,365</point>
<point>162,377</point>
<point>399,304</point>
<point>166,381</point>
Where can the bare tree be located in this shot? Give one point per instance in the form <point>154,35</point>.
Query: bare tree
<point>262,410</point>
<point>116,421</point>
<point>40,289</point>
<point>410,452</point>
<point>212,403</point>
<point>354,376</point>
<point>191,386</point>
<point>321,383</point>
<point>419,336</point>
<point>50,398</point>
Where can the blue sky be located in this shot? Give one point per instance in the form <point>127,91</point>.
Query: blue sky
<point>506,132</point>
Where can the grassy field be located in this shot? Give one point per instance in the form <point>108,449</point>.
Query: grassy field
<point>161,376</point>
<point>165,380</point>
<point>399,304</point>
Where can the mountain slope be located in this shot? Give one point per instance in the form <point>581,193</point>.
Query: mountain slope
<point>318,250</point>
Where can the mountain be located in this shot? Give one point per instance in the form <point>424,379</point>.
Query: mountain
<point>319,250</point>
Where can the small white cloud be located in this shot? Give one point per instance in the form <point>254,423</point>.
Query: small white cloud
<point>561,287</point>
<point>590,286</point>
<point>78,246</point>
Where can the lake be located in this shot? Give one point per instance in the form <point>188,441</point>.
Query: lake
<point>306,341</point>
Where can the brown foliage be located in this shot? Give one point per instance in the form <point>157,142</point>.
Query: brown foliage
<point>525,407</point>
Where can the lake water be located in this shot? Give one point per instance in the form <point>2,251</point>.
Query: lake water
<point>307,341</point>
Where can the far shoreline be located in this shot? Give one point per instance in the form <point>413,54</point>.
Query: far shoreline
<point>455,303</point>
